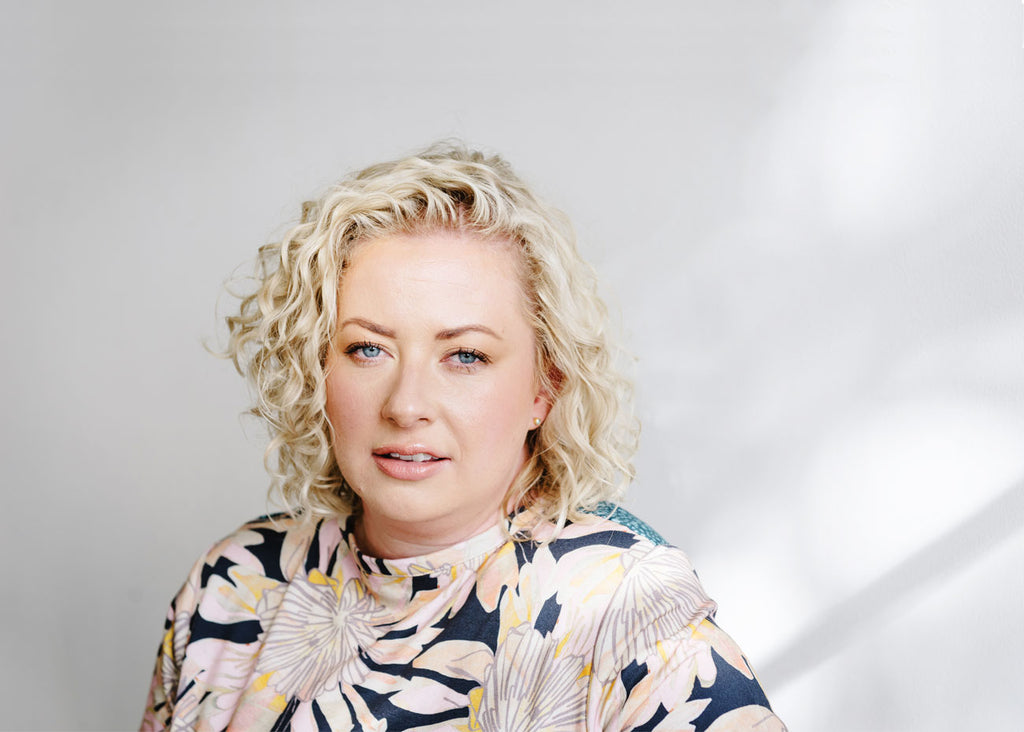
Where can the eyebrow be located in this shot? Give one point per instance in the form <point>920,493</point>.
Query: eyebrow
<point>370,326</point>
<point>443,335</point>
<point>450,333</point>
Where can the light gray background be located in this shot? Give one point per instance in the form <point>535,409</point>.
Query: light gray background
<point>809,215</point>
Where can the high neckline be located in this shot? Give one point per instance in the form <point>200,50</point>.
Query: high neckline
<point>468,553</point>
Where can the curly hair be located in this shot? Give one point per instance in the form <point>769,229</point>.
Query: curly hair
<point>280,336</point>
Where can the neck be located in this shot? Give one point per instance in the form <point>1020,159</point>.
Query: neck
<point>386,539</point>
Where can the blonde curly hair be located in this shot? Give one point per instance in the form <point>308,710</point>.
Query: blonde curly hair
<point>280,336</point>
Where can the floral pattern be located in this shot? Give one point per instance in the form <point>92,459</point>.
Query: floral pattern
<point>319,626</point>
<point>532,684</point>
<point>285,625</point>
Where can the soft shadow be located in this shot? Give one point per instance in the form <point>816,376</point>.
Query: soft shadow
<point>938,560</point>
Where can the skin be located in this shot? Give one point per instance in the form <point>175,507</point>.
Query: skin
<point>433,355</point>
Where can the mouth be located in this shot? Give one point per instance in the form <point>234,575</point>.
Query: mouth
<point>410,463</point>
<point>417,457</point>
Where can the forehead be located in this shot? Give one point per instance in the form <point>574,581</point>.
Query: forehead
<point>435,270</point>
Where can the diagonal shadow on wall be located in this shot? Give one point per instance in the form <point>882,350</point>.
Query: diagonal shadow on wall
<point>937,560</point>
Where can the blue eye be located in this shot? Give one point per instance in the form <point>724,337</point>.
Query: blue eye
<point>364,351</point>
<point>468,357</point>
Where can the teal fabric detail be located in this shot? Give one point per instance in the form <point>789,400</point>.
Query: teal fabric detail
<point>621,516</point>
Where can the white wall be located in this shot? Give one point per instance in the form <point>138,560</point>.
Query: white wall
<point>810,215</point>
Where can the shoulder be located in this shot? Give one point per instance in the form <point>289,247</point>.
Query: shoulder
<point>607,527</point>
<point>653,590</point>
<point>642,577</point>
<point>272,547</point>
<point>238,582</point>
<point>622,538</point>
<point>262,540</point>
<point>619,516</point>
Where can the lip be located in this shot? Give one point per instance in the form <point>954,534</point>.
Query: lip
<point>407,469</point>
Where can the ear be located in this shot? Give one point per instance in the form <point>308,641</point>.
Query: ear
<point>541,408</point>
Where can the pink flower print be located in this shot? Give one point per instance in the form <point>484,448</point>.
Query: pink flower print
<point>532,686</point>
<point>315,639</point>
<point>658,598</point>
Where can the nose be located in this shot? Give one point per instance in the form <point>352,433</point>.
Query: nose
<point>410,397</point>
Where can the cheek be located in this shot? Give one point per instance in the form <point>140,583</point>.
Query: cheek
<point>347,407</point>
<point>499,415</point>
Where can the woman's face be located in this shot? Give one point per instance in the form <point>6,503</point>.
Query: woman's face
<point>431,387</point>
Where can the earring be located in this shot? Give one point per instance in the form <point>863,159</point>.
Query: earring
<point>536,421</point>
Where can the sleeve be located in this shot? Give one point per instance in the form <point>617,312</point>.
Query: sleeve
<point>697,679</point>
<point>163,689</point>
<point>665,665</point>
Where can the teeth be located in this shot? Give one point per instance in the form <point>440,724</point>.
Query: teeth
<point>420,457</point>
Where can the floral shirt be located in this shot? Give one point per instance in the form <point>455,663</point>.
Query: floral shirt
<point>285,625</point>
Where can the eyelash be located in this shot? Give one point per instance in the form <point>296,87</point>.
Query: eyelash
<point>356,347</point>
<point>481,358</point>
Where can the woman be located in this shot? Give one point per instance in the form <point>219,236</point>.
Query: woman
<point>448,433</point>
